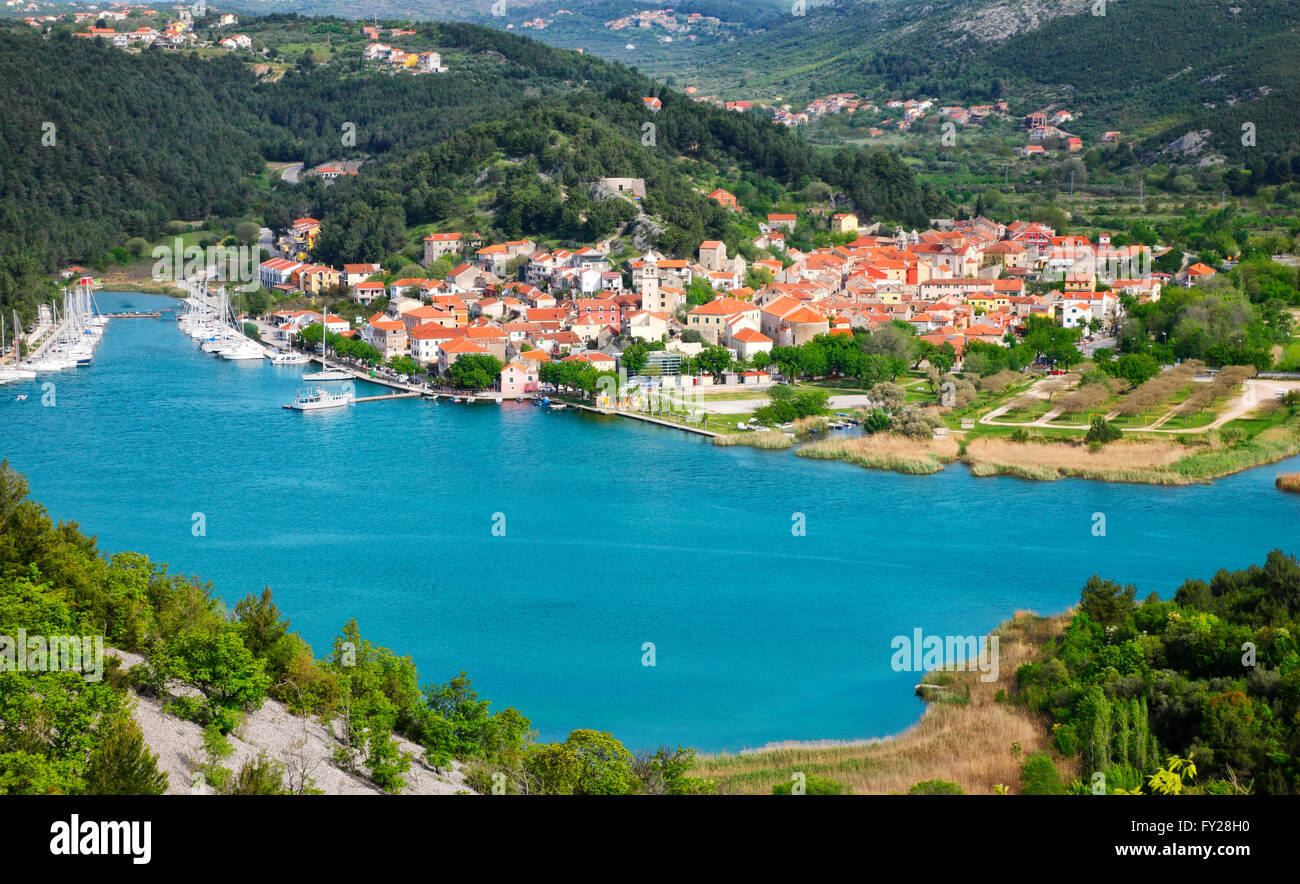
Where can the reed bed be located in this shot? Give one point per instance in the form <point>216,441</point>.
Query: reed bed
<point>969,742</point>
<point>886,451</point>
<point>1289,482</point>
<point>772,441</point>
<point>812,423</point>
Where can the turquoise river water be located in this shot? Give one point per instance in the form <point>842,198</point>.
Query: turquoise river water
<point>616,534</point>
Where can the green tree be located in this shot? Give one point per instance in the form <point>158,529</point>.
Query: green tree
<point>714,360</point>
<point>1039,776</point>
<point>121,763</point>
<point>474,371</point>
<point>634,358</point>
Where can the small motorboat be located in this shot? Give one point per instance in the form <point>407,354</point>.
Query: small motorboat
<point>22,397</point>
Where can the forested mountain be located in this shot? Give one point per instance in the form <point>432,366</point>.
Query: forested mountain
<point>98,144</point>
<point>581,24</point>
<point>146,139</point>
<point>1152,68</point>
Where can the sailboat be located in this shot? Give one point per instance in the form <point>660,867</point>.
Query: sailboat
<point>326,373</point>
<point>11,371</point>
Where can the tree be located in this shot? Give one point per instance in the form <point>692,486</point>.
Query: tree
<point>634,358</point>
<point>121,763</point>
<point>1103,431</point>
<point>587,763</point>
<point>260,619</point>
<point>875,422</point>
<point>247,232</point>
<point>1137,368</point>
<point>1038,776</point>
<point>406,365</point>
<point>216,662</point>
<point>714,360</point>
<point>890,396</point>
<point>474,371</point>
<point>664,772</point>
<point>1105,602</point>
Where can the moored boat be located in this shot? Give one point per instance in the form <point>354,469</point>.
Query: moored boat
<point>319,399</point>
<point>329,374</point>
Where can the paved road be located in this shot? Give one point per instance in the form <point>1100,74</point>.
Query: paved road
<point>744,406</point>
<point>1089,349</point>
<point>291,173</point>
<point>266,242</point>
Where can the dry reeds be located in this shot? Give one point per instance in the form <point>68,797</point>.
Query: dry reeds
<point>1289,482</point>
<point>978,743</point>
<point>886,451</point>
<point>770,441</point>
<point>813,423</point>
<point>1123,460</point>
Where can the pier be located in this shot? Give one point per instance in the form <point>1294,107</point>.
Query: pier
<point>699,431</point>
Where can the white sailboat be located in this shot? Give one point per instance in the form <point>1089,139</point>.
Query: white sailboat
<point>12,371</point>
<point>326,373</point>
<point>214,326</point>
<point>329,374</point>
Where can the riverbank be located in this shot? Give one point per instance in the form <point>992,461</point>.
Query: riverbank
<point>1150,460</point>
<point>1269,434</point>
<point>969,734</point>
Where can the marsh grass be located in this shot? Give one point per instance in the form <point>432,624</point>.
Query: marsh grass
<point>886,451</point>
<point>967,737</point>
<point>767,441</point>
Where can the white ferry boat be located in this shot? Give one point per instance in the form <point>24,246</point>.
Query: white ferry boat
<point>319,399</point>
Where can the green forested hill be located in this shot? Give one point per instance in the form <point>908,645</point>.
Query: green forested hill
<point>98,143</point>
<point>1155,68</point>
<point>144,139</point>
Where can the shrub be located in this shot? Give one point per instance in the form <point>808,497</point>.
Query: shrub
<point>936,787</point>
<point>813,785</point>
<point>1038,776</point>
<point>1102,431</point>
<point>875,422</point>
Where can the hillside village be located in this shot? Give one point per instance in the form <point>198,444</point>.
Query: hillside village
<point>524,305</point>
